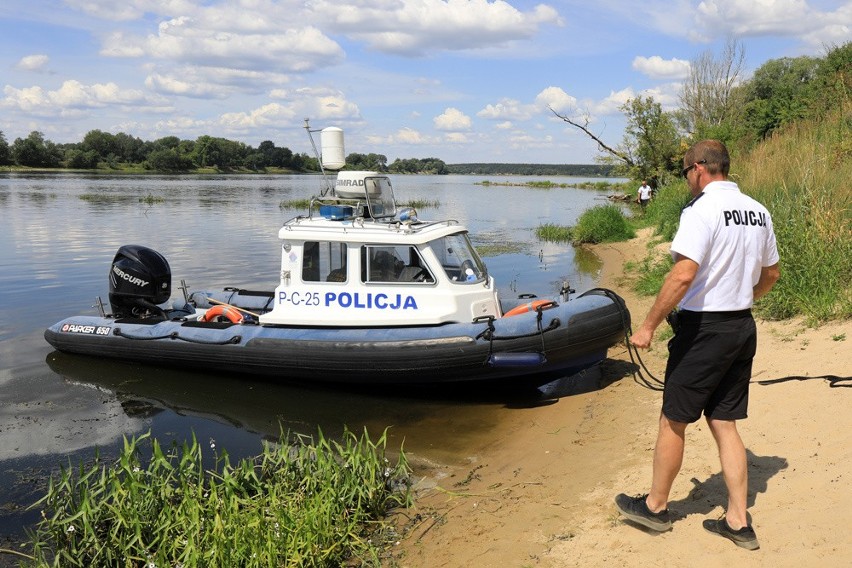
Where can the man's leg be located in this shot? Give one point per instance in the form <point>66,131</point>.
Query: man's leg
<point>668,457</point>
<point>732,455</point>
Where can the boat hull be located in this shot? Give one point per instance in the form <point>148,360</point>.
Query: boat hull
<point>563,340</point>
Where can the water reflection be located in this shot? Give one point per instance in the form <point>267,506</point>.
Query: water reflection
<point>438,424</point>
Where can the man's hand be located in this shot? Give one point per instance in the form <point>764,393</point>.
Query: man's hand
<point>642,338</point>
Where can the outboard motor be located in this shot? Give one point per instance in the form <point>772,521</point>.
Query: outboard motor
<point>139,279</point>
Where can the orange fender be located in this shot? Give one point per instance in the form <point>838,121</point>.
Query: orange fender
<point>533,306</point>
<point>228,312</point>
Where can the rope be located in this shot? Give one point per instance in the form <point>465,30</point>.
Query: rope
<point>175,335</point>
<point>651,382</point>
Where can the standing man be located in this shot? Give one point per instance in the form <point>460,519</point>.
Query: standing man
<point>725,257</point>
<point>643,196</point>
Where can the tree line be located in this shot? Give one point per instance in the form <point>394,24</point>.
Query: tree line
<point>100,149</point>
<point>718,102</point>
<point>105,150</point>
<point>498,169</point>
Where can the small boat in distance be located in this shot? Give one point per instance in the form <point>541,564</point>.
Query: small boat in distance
<point>367,293</point>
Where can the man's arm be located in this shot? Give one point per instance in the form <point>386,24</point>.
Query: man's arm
<point>677,282</point>
<point>769,275</point>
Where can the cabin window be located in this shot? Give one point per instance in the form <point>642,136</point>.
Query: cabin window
<point>324,261</point>
<point>459,259</point>
<point>396,264</point>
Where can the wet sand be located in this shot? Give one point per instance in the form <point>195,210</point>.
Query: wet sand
<point>539,489</point>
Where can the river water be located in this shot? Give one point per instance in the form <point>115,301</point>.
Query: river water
<point>59,233</point>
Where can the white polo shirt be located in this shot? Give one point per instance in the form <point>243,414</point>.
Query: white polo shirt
<point>730,236</point>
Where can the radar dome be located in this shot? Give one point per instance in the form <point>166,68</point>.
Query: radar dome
<point>331,141</point>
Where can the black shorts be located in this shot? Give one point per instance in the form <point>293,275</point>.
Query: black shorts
<point>709,366</point>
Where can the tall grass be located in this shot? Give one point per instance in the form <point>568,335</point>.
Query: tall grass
<point>309,504</point>
<point>803,175</point>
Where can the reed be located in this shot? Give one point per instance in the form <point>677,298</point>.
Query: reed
<point>420,203</point>
<point>151,199</point>
<point>109,198</point>
<point>303,504</point>
<point>552,232</point>
<point>294,204</point>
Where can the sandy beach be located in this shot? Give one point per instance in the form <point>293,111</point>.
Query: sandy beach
<point>538,491</point>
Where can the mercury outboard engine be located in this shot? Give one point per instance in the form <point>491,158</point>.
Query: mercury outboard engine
<point>139,279</point>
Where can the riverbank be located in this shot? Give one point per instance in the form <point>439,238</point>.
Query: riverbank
<point>539,490</point>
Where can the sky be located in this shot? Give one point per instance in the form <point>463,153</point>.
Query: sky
<point>459,80</point>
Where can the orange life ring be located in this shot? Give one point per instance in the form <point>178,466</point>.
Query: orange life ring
<point>529,307</point>
<point>228,312</point>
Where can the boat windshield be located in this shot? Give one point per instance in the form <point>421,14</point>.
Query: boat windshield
<point>380,196</point>
<point>459,259</point>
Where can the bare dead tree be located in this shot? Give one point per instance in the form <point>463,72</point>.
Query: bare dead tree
<point>706,95</point>
<point>603,146</point>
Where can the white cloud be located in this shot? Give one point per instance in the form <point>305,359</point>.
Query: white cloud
<point>108,9</point>
<point>612,103</point>
<point>266,115</point>
<point>452,119</point>
<point>408,136</point>
<point>666,94</point>
<point>808,21</point>
<point>416,27</point>
<point>524,141</point>
<point>457,138</point>
<point>656,67</point>
<point>556,98</point>
<point>756,17</point>
<point>212,82</point>
<point>186,40</point>
<point>36,62</point>
<point>73,95</point>
<point>506,109</point>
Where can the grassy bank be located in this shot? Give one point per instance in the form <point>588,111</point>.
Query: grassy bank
<point>802,176</point>
<point>304,504</point>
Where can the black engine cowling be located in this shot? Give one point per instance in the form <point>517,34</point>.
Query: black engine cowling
<point>139,279</point>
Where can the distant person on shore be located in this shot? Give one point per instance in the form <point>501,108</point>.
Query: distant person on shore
<point>725,258</point>
<point>643,196</point>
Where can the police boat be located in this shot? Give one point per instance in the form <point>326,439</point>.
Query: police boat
<point>367,293</point>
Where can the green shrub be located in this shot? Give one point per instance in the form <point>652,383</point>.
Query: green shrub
<point>602,224</point>
<point>304,504</point>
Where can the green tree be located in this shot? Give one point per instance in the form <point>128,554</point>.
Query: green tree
<point>833,82</point>
<point>169,160</point>
<point>372,162</point>
<point>219,152</point>
<point>81,160</point>
<point>254,161</point>
<point>5,151</point>
<point>100,142</point>
<point>651,142</point>
<point>778,93</point>
<point>166,142</point>
<point>130,149</point>
<point>35,151</point>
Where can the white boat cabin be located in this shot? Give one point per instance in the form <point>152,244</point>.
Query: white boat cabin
<point>355,260</point>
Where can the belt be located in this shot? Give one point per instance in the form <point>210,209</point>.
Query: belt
<point>710,317</point>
